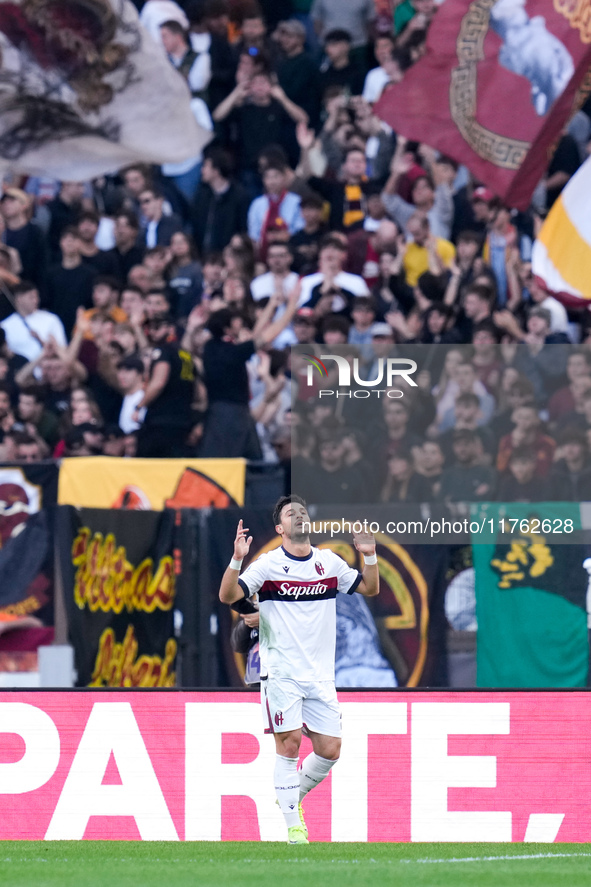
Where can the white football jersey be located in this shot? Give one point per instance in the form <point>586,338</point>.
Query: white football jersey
<point>297,602</point>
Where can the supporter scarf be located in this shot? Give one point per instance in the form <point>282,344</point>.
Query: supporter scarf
<point>273,213</point>
<point>354,207</point>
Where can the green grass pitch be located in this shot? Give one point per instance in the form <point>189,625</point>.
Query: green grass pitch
<point>155,864</point>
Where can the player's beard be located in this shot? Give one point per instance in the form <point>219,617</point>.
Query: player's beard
<point>297,535</point>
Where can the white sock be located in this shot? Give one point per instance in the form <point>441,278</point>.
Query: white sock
<point>314,769</point>
<point>287,787</point>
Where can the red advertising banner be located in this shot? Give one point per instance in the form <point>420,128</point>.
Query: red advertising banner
<point>495,87</point>
<point>415,766</point>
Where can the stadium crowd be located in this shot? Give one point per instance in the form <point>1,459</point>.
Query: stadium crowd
<point>150,312</point>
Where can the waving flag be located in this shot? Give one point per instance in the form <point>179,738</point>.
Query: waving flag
<point>497,84</point>
<point>561,256</point>
<point>84,90</point>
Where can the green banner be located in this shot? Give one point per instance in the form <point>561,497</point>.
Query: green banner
<point>531,604</point>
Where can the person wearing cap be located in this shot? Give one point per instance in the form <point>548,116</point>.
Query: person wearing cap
<point>382,341</point>
<point>130,379</point>
<point>24,236</point>
<point>304,326</point>
<point>296,71</point>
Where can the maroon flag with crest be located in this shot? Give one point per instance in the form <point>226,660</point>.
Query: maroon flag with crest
<point>496,86</point>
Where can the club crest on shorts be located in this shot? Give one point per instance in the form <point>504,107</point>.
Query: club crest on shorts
<point>319,568</point>
<point>278,718</point>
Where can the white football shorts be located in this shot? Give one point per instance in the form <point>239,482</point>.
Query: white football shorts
<point>289,705</point>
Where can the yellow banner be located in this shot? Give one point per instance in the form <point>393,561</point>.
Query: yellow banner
<point>151,484</point>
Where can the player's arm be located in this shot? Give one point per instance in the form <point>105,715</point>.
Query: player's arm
<point>370,577</point>
<point>230,590</point>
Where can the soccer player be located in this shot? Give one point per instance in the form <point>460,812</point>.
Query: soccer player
<point>297,587</point>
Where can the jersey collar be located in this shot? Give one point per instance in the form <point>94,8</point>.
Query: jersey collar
<point>294,557</point>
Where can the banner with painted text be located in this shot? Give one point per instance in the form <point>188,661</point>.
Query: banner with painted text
<point>105,482</point>
<point>119,584</point>
<point>420,766</point>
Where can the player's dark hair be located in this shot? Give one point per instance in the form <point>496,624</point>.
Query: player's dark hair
<point>281,503</point>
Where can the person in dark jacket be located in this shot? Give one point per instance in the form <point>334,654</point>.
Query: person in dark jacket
<point>519,483</point>
<point>159,228</point>
<point>570,477</point>
<point>221,205</point>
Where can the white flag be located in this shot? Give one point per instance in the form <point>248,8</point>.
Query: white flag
<point>561,256</point>
<point>84,91</point>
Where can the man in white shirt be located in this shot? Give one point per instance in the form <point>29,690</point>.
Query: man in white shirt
<point>330,281</point>
<point>28,328</point>
<point>278,279</point>
<point>297,586</point>
<point>194,66</point>
<point>130,377</point>
<point>389,70</point>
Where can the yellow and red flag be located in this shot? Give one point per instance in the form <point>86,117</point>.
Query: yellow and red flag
<point>495,87</point>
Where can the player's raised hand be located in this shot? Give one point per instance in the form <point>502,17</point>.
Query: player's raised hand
<point>242,543</point>
<point>365,542</point>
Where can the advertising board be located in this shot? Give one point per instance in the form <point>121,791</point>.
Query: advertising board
<point>415,766</point>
